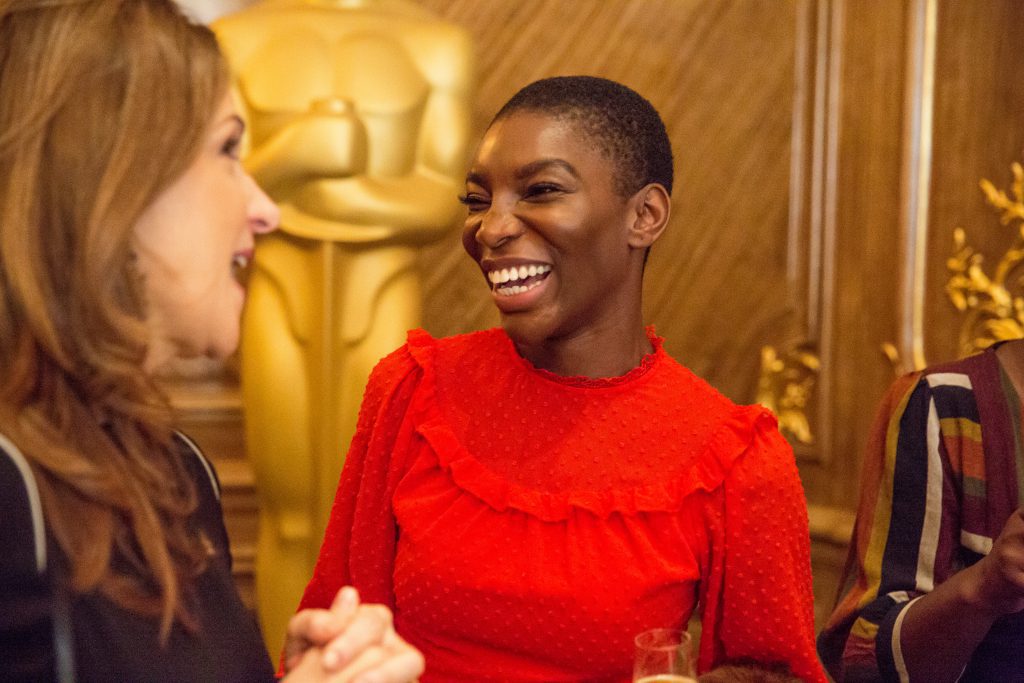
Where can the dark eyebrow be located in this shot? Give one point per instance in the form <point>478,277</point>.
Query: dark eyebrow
<point>529,169</point>
<point>543,164</point>
<point>475,178</point>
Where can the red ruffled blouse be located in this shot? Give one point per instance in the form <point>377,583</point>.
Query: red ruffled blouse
<point>524,526</point>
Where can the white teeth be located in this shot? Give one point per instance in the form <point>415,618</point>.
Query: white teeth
<point>240,260</point>
<point>513,274</point>
<point>504,275</point>
<point>516,289</point>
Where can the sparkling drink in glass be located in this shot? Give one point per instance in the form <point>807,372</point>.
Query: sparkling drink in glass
<point>663,655</point>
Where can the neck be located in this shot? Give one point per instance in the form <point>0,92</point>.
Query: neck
<point>593,353</point>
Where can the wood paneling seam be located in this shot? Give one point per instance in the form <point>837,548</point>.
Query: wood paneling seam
<point>917,174</point>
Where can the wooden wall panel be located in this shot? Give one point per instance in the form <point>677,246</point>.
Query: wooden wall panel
<point>860,210</point>
<point>978,131</point>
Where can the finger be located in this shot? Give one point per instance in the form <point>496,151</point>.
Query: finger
<point>1013,530</point>
<point>305,666</point>
<point>302,630</point>
<point>321,625</point>
<point>344,608</point>
<point>400,667</point>
<point>371,626</point>
<point>362,664</point>
<point>317,626</point>
<point>345,603</point>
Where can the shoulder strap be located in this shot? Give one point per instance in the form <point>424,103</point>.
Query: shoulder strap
<point>35,504</point>
<point>191,445</point>
<point>63,640</point>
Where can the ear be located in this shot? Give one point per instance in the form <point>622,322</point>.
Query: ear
<point>653,206</point>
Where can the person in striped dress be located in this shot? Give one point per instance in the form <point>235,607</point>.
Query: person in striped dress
<point>934,585</point>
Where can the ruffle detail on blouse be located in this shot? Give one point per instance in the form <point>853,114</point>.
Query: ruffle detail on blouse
<point>727,443</point>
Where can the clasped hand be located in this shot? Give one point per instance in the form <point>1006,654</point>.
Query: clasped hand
<point>1002,570</point>
<point>349,642</point>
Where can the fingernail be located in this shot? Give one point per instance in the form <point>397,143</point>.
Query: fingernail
<point>349,596</point>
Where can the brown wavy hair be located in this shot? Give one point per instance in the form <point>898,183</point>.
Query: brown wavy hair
<point>103,103</point>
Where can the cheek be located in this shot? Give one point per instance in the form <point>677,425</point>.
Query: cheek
<point>469,243</point>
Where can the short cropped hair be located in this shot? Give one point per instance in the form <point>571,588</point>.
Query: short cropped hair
<point>619,121</point>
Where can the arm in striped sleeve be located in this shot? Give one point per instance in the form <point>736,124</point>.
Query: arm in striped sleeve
<point>901,525</point>
<point>909,613</point>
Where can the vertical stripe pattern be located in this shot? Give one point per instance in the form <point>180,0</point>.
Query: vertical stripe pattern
<point>932,508</point>
<point>937,488</point>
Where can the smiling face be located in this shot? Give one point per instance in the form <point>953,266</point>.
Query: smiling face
<point>192,242</point>
<point>558,245</point>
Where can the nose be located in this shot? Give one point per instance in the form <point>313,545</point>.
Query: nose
<point>497,227</point>
<point>264,216</point>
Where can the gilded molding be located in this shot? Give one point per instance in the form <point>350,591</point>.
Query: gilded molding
<point>993,304</point>
<point>785,385</point>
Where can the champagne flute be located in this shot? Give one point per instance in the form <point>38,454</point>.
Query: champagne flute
<point>663,655</point>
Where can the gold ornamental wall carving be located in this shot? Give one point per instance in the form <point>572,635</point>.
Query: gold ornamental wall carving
<point>785,385</point>
<point>993,303</point>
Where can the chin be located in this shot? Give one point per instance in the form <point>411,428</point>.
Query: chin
<point>223,348</point>
<point>526,329</point>
<point>221,344</point>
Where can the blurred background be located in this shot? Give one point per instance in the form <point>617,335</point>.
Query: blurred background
<point>827,152</point>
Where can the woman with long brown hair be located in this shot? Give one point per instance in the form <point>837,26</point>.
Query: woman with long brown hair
<point>124,216</point>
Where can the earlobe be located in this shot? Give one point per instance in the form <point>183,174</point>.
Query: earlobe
<point>652,211</point>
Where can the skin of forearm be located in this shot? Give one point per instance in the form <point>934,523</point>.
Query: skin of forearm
<point>942,629</point>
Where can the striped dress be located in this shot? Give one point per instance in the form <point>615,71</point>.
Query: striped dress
<point>942,474</point>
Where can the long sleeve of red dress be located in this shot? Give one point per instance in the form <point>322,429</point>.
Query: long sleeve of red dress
<point>525,526</point>
<point>758,603</point>
<point>359,543</point>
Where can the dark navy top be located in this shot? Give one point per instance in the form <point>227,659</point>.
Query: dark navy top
<point>47,633</point>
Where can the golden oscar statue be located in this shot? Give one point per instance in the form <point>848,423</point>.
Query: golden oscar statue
<point>358,120</point>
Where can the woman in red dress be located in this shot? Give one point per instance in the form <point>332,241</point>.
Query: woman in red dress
<point>527,499</point>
